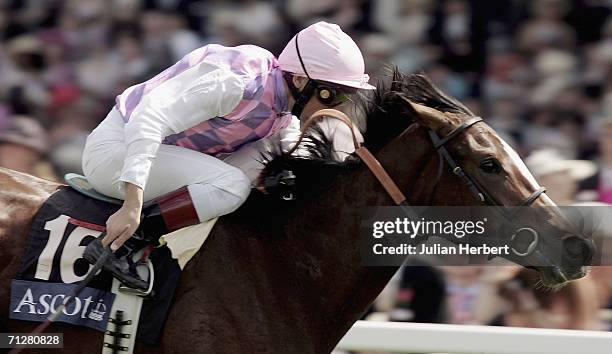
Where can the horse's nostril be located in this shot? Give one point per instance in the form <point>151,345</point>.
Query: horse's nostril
<point>579,249</point>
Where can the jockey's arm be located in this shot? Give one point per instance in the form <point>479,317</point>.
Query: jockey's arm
<point>121,225</point>
<point>184,101</point>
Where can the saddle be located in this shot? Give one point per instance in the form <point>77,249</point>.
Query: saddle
<point>82,185</point>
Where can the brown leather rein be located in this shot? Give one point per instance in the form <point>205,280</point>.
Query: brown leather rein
<point>364,154</point>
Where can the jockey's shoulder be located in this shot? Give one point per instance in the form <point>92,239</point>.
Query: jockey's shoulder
<point>248,50</point>
<point>245,60</point>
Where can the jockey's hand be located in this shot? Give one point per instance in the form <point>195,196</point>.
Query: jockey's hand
<point>121,225</point>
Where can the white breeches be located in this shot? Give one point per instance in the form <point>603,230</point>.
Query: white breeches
<point>216,188</point>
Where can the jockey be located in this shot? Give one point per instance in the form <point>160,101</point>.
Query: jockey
<point>163,139</point>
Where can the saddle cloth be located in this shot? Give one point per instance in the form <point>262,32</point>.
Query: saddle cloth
<point>53,265</point>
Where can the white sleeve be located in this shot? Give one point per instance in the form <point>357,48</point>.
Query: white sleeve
<point>249,158</point>
<point>341,137</point>
<point>200,93</point>
<point>335,130</point>
<point>289,135</point>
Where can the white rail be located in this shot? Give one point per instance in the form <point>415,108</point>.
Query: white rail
<point>463,339</point>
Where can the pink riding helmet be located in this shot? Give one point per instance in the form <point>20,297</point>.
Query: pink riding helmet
<point>328,55</point>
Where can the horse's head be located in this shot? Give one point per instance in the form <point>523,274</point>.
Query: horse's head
<point>483,169</point>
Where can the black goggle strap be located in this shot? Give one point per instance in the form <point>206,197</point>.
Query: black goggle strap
<point>302,97</point>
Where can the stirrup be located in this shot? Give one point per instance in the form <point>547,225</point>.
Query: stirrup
<point>113,265</point>
<point>138,292</point>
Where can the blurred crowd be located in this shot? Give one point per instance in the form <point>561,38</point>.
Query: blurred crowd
<point>538,71</point>
<point>494,295</point>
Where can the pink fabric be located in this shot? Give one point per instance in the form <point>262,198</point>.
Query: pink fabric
<point>605,195</point>
<point>604,185</point>
<point>262,111</point>
<point>130,98</point>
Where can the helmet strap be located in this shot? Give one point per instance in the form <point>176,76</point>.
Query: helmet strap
<point>301,97</point>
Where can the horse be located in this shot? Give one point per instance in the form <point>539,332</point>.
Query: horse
<point>282,276</point>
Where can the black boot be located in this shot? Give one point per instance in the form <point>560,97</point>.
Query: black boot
<point>167,213</point>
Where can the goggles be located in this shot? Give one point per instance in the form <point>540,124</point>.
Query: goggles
<point>332,95</point>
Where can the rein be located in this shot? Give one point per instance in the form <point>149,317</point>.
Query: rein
<point>364,154</point>
<point>445,157</point>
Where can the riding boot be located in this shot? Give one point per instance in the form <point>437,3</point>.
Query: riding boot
<point>170,212</point>
<point>167,213</point>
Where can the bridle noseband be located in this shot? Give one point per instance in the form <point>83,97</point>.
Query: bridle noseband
<point>445,157</point>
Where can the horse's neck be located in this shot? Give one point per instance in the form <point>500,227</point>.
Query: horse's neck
<point>413,168</point>
<point>346,285</point>
<point>297,272</point>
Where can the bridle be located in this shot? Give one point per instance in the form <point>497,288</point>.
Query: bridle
<point>440,145</point>
<point>480,193</point>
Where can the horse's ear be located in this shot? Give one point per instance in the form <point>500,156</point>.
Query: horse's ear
<point>425,116</point>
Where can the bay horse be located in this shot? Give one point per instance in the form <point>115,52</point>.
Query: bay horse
<point>285,277</point>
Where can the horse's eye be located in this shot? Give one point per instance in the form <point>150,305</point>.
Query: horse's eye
<point>491,166</point>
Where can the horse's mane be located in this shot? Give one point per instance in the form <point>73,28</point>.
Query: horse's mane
<point>315,164</point>
<point>386,117</point>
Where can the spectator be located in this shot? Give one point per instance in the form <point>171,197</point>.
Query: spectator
<point>24,79</point>
<point>100,61</point>
<point>421,295</point>
<point>572,307</point>
<point>463,286</point>
<point>260,23</point>
<point>22,147</point>
<point>560,176</point>
<point>603,180</point>
<point>405,21</point>
<point>545,28</point>
<point>181,40</point>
